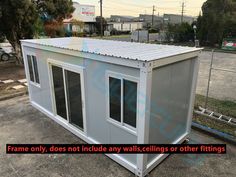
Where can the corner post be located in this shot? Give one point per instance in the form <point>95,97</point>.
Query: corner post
<point>144,102</point>
<point>192,93</point>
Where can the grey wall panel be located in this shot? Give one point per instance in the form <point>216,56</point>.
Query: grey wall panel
<point>42,95</point>
<point>122,137</point>
<point>171,87</point>
<point>98,128</point>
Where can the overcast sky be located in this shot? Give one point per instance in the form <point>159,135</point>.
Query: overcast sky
<point>135,7</point>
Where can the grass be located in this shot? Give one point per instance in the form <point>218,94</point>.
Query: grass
<point>227,108</point>
<point>217,125</point>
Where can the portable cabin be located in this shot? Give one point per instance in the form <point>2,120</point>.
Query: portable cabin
<point>112,92</point>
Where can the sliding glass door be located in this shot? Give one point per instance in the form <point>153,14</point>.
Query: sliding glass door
<point>59,91</point>
<point>68,95</point>
<point>74,98</point>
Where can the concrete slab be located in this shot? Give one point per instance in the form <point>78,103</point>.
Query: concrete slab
<point>8,81</point>
<point>223,84</point>
<point>22,80</point>
<point>21,123</point>
<point>17,87</point>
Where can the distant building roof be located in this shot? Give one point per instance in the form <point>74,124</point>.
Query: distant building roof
<point>176,18</point>
<point>120,18</point>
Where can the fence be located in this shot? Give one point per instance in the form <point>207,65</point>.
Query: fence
<point>217,83</point>
<point>210,76</point>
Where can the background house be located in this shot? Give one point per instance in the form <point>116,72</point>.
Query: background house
<point>123,23</point>
<point>147,20</point>
<point>86,15</point>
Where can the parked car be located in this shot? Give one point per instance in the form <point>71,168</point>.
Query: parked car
<point>6,51</point>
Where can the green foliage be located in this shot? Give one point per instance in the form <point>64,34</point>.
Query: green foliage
<point>55,9</point>
<point>98,24</point>
<point>21,19</point>
<point>17,18</point>
<point>180,32</point>
<point>218,20</point>
<point>2,37</point>
<point>39,29</point>
<point>17,22</point>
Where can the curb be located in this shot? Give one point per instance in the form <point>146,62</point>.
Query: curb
<point>220,51</point>
<point>13,95</point>
<point>218,134</point>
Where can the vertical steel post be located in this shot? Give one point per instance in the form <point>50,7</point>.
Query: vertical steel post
<point>153,12</point>
<point>101,20</point>
<point>209,79</point>
<point>182,12</point>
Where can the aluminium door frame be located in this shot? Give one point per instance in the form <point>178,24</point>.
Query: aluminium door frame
<point>73,68</point>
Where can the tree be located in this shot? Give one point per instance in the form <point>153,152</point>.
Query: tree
<point>55,9</point>
<point>19,19</point>
<point>218,20</point>
<point>98,24</point>
<point>180,32</point>
<point>2,37</point>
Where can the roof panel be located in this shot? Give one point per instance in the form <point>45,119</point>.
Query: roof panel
<point>127,50</point>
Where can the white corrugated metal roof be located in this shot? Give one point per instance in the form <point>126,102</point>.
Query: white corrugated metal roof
<point>127,50</point>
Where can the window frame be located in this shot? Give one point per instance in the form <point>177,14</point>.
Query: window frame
<point>33,70</point>
<point>121,124</point>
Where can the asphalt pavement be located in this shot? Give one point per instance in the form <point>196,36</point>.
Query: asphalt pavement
<point>21,123</point>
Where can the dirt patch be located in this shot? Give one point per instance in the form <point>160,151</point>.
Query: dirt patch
<point>11,71</point>
<point>6,89</point>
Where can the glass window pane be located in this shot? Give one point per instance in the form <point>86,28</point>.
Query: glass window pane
<point>30,68</point>
<point>59,92</point>
<point>130,102</point>
<point>74,98</point>
<point>115,98</point>
<point>35,69</point>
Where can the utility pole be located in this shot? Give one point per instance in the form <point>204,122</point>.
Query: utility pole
<point>153,12</point>
<point>101,19</point>
<point>182,12</point>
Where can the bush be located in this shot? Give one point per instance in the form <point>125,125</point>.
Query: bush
<point>154,30</point>
<point>78,34</point>
<point>116,32</point>
<point>54,29</point>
